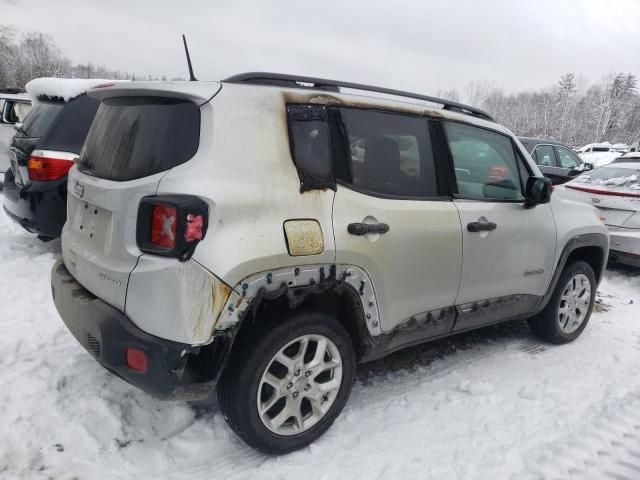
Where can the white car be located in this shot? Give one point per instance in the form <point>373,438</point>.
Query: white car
<point>13,108</point>
<point>599,154</point>
<point>262,234</point>
<point>615,190</point>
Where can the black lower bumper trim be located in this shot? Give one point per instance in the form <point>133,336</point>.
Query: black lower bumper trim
<point>39,207</point>
<point>105,332</point>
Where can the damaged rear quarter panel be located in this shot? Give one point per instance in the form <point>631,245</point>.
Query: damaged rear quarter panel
<point>179,301</point>
<point>251,185</point>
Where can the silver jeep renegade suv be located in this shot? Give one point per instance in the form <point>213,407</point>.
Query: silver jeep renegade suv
<point>263,234</point>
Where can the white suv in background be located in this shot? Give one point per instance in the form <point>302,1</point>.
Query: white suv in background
<point>263,234</point>
<point>14,106</point>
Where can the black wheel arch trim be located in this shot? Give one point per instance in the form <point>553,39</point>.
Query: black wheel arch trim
<point>598,240</point>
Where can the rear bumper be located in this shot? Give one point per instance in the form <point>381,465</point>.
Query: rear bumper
<point>40,207</point>
<point>105,333</point>
<point>625,246</point>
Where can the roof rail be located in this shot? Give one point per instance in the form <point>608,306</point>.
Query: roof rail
<point>265,78</point>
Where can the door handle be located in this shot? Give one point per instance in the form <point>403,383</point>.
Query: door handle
<point>360,229</point>
<point>481,226</point>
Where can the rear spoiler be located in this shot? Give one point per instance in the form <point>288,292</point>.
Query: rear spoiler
<point>198,92</point>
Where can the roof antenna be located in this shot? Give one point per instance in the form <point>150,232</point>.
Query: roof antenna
<point>192,77</point>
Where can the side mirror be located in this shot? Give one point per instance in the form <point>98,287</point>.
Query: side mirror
<point>538,191</point>
<point>588,166</point>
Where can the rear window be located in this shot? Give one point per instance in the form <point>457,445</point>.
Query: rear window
<point>600,149</point>
<point>134,137</point>
<point>612,176</point>
<point>70,127</point>
<point>41,117</point>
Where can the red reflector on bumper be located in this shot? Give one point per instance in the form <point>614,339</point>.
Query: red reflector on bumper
<point>136,360</point>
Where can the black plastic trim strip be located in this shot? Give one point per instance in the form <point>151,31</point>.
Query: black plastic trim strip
<point>586,240</point>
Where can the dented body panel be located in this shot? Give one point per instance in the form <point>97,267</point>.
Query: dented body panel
<point>176,300</point>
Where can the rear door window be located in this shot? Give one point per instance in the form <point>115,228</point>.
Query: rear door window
<point>134,137</point>
<point>388,153</point>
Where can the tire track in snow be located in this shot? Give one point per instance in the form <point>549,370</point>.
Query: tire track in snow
<point>609,448</point>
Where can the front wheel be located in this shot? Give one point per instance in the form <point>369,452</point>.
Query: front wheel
<point>287,381</point>
<point>568,311</point>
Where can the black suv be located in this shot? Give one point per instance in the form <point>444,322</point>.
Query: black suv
<point>556,161</point>
<point>41,154</point>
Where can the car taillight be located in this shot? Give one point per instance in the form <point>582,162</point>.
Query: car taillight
<point>46,165</point>
<point>163,226</point>
<point>171,225</point>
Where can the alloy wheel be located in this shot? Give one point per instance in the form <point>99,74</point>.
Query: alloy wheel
<point>574,303</point>
<point>299,385</point>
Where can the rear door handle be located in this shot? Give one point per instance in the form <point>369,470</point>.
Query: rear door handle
<point>481,226</point>
<point>360,229</point>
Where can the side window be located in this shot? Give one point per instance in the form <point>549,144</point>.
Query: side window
<point>388,153</point>
<point>544,156</point>
<point>311,146</point>
<point>485,162</point>
<point>567,159</point>
<point>21,109</point>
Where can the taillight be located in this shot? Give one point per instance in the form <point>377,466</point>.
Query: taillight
<point>163,225</point>
<point>171,225</point>
<point>46,165</point>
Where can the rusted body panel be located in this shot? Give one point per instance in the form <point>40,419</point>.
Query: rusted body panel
<point>177,300</point>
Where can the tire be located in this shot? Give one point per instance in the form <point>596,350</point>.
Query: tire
<point>554,326</point>
<point>254,355</point>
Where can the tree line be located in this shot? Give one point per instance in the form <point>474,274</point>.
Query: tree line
<point>26,56</point>
<point>571,111</point>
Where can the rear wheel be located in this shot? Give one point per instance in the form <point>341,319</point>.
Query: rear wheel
<point>568,311</point>
<point>288,381</point>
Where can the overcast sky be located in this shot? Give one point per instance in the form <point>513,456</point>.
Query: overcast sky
<point>419,45</point>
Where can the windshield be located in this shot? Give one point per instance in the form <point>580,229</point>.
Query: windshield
<point>612,176</point>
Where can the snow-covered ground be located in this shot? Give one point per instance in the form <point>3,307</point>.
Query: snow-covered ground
<point>493,404</point>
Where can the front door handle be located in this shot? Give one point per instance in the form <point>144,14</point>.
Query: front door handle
<point>481,226</point>
<point>360,229</point>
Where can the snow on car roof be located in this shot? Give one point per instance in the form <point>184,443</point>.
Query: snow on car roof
<point>65,88</point>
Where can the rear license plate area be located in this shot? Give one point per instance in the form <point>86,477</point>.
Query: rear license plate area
<point>90,222</point>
